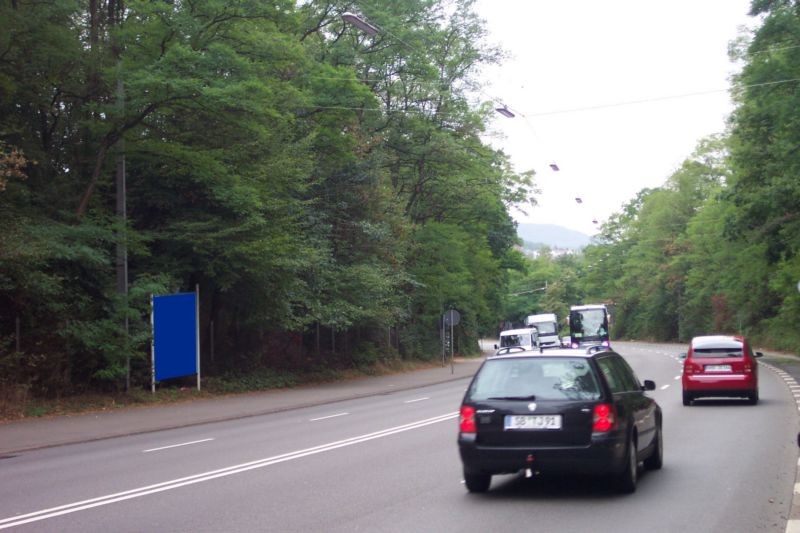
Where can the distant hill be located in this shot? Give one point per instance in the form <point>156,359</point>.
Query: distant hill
<point>552,236</point>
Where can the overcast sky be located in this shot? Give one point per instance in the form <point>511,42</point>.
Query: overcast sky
<point>574,55</point>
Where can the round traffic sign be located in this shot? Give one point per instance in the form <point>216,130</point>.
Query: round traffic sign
<point>452,317</point>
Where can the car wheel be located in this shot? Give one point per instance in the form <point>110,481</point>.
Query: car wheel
<point>687,398</point>
<point>752,398</point>
<point>477,482</point>
<point>656,459</point>
<point>626,482</point>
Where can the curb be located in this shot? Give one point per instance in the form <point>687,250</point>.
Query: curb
<point>793,520</point>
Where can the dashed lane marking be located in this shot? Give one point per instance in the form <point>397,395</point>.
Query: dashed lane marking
<point>327,417</point>
<point>176,445</point>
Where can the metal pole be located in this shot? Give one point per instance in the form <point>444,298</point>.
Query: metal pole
<point>452,344</point>
<point>152,348</point>
<point>197,329</point>
<point>442,334</point>
<point>19,341</point>
<point>122,247</point>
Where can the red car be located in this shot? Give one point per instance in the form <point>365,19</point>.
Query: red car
<point>721,366</point>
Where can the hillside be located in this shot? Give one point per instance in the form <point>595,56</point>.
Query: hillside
<point>552,235</point>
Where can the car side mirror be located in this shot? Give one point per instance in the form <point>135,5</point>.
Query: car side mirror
<point>759,354</point>
<point>649,385</point>
<point>495,346</point>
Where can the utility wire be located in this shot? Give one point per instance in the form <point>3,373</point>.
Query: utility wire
<point>658,98</point>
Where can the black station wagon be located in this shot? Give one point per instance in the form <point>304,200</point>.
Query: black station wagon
<point>579,411</point>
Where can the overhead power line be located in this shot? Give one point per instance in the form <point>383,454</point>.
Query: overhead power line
<point>656,99</point>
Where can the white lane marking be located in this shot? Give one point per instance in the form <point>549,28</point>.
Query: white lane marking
<point>213,474</point>
<point>176,445</point>
<point>665,387</point>
<point>677,378</point>
<point>327,417</point>
<point>417,400</point>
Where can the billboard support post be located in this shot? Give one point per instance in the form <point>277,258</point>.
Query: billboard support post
<point>152,348</point>
<point>197,329</point>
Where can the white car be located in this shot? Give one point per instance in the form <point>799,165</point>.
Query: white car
<point>527,338</point>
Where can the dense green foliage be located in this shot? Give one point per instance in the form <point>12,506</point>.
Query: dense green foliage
<point>331,194</point>
<point>328,191</point>
<point>716,249</point>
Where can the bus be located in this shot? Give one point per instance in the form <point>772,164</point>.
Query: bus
<point>588,325</point>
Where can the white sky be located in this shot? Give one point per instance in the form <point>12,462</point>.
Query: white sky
<point>586,53</point>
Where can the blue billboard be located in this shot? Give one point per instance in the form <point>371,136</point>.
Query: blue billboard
<point>176,346</point>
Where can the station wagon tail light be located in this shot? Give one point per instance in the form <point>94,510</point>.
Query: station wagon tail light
<point>747,368</point>
<point>467,420</point>
<point>604,419</point>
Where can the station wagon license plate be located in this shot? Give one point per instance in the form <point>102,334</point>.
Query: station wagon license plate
<point>718,368</point>
<point>532,422</point>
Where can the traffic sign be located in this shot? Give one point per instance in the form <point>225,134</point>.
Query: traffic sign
<point>452,317</point>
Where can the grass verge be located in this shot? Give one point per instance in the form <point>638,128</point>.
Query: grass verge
<point>16,404</point>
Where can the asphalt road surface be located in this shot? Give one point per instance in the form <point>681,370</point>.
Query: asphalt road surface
<point>390,463</point>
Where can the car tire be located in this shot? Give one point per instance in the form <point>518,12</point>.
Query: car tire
<point>477,482</point>
<point>752,398</point>
<point>656,459</point>
<point>687,398</point>
<point>626,480</point>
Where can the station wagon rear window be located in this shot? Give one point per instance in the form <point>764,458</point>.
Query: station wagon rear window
<point>539,378</point>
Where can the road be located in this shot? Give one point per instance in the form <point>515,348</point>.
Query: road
<point>390,463</point>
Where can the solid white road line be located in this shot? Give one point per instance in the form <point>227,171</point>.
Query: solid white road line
<point>207,476</point>
<point>176,445</point>
<point>665,387</point>
<point>327,417</point>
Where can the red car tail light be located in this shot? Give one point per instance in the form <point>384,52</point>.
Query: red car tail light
<point>467,420</point>
<point>692,368</point>
<point>604,419</point>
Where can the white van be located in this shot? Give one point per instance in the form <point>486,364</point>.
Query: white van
<point>547,326</point>
<point>526,338</point>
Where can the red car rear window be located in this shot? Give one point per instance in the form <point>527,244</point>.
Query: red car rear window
<point>718,352</point>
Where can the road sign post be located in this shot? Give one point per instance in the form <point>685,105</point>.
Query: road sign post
<point>452,318</point>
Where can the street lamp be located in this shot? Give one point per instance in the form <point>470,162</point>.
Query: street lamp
<point>505,111</point>
<point>361,24</point>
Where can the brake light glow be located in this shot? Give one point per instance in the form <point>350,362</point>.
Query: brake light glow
<point>604,419</point>
<point>605,343</point>
<point>467,420</point>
